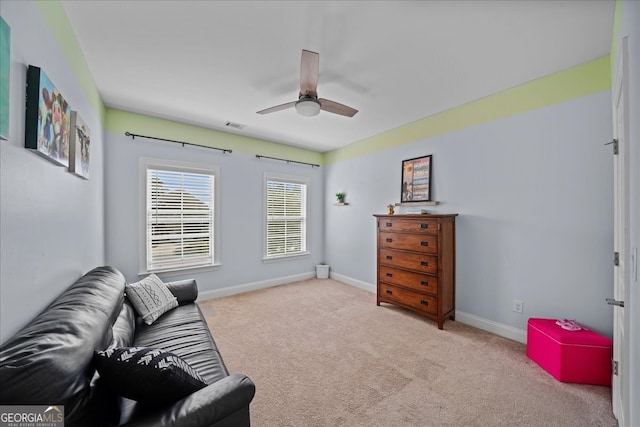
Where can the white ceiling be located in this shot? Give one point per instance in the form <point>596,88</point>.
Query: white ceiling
<point>210,62</point>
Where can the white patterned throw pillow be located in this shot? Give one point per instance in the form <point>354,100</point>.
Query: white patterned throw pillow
<point>151,298</point>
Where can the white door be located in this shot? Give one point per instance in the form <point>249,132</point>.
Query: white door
<point>620,384</point>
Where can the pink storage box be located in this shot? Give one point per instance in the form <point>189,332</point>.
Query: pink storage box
<point>570,356</point>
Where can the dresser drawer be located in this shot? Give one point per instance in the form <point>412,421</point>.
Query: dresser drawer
<point>425,243</point>
<point>418,281</point>
<point>413,261</point>
<point>419,301</point>
<point>425,225</point>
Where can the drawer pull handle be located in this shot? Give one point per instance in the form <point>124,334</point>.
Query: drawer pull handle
<point>389,274</point>
<point>424,302</point>
<point>389,292</point>
<point>424,225</point>
<point>424,263</point>
<point>424,243</point>
<point>389,240</point>
<point>424,283</point>
<point>389,257</point>
<point>389,224</point>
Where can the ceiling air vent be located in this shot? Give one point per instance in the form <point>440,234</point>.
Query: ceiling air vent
<point>235,125</point>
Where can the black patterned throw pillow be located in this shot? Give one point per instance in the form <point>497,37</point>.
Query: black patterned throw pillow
<point>147,375</point>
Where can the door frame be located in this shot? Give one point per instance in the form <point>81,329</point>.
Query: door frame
<point>621,283</point>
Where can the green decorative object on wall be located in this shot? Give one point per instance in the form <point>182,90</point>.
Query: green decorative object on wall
<point>5,66</point>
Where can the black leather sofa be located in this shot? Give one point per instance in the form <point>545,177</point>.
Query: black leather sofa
<point>50,361</point>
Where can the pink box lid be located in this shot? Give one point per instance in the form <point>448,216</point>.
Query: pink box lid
<point>585,337</point>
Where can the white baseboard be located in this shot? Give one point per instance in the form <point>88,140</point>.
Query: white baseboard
<point>501,329</point>
<point>462,317</point>
<point>353,282</point>
<point>254,286</point>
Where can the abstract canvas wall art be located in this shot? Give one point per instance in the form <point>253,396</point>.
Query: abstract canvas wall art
<point>5,66</point>
<point>48,118</point>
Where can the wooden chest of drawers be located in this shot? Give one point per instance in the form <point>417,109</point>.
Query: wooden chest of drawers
<point>417,263</point>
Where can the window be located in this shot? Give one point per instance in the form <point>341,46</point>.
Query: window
<point>179,222</point>
<point>286,216</point>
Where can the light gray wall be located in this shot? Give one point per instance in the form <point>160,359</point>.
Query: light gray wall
<point>240,219</point>
<point>534,198</point>
<point>51,222</point>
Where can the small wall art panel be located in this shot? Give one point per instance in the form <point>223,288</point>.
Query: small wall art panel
<point>416,180</point>
<point>5,66</point>
<point>48,118</point>
<point>79,146</point>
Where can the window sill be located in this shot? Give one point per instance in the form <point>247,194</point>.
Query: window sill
<point>172,272</point>
<point>285,257</point>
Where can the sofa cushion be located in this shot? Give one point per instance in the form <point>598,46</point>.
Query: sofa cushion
<point>184,331</point>
<point>148,375</point>
<point>151,298</point>
<point>124,327</point>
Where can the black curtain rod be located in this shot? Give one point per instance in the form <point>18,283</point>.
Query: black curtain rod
<point>133,136</point>
<point>288,161</point>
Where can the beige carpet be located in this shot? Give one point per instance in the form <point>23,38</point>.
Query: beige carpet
<point>321,353</point>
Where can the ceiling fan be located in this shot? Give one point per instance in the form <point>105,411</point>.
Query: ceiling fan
<point>308,103</point>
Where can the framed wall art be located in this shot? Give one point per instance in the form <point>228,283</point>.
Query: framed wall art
<point>416,180</point>
<point>48,118</point>
<point>5,66</point>
<point>79,146</point>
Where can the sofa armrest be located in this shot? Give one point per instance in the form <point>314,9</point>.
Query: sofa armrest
<point>206,407</point>
<point>185,291</point>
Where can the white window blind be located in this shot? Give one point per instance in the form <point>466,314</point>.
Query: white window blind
<point>286,218</point>
<point>180,219</point>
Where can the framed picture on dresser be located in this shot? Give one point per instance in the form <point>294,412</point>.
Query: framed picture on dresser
<point>416,179</point>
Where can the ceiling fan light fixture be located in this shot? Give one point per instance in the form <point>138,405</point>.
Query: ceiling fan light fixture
<point>308,107</point>
<point>308,103</point>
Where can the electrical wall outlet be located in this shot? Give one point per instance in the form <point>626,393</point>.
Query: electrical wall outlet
<point>517,305</point>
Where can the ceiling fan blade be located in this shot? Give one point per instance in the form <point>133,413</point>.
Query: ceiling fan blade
<point>336,108</point>
<point>309,69</point>
<point>277,108</point>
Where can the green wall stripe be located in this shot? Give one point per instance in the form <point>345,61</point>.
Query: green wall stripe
<point>119,121</point>
<point>575,82</point>
<point>56,18</point>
